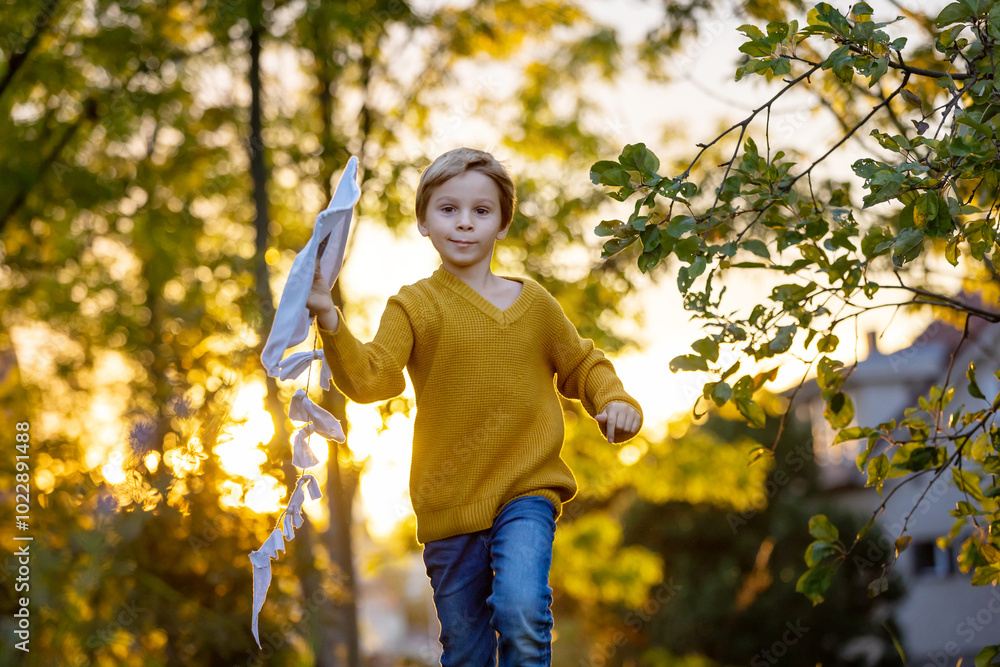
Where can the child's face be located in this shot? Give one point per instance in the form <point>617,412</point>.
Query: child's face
<point>463,220</point>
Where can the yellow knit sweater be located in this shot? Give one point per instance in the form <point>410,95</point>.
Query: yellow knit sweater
<point>489,425</point>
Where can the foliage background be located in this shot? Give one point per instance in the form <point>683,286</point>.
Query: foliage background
<point>138,277</point>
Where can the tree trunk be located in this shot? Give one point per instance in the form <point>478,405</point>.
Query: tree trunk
<point>302,551</point>
<point>42,20</point>
<point>340,497</point>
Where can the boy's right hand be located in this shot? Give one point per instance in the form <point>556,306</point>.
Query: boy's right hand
<point>320,303</point>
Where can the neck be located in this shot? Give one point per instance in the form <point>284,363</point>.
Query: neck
<point>477,276</point>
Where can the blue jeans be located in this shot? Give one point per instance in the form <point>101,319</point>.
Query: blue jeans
<point>496,582</point>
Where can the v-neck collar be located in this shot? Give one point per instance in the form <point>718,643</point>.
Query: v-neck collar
<point>502,317</point>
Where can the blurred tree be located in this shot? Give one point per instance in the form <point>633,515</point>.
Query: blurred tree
<point>678,534</point>
<point>131,280</point>
<point>931,182</point>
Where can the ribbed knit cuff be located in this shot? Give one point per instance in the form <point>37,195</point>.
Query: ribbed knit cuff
<point>340,343</point>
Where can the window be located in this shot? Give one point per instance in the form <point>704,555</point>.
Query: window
<point>928,559</point>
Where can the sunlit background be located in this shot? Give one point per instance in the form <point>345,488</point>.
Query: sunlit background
<point>129,300</point>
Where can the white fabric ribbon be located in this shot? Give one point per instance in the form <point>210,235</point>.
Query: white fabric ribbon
<point>292,319</point>
<point>296,364</point>
<point>302,454</point>
<point>292,322</point>
<point>275,542</point>
<point>302,409</point>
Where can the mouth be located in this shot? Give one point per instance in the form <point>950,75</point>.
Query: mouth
<point>462,244</point>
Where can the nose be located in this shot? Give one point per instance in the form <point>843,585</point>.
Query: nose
<point>465,221</point>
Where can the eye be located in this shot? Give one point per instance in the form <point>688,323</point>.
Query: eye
<point>482,210</point>
<point>447,208</point>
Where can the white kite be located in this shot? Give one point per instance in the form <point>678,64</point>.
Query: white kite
<point>292,322</point>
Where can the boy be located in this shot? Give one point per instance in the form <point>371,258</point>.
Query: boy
<point>486,481</point>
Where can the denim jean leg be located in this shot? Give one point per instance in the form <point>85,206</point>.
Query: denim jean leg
<point>461,578</point>
<point>521,550</point>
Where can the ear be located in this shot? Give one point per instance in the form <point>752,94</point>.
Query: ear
<point>503,233</point>
<point>422,228</point>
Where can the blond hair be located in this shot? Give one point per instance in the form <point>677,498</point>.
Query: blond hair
<point>459,161</point>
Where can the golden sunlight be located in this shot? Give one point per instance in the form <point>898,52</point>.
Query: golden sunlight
<point>113,471</point>
<point>264,495</point>
<point>238,449</point>
<point>384,486</point>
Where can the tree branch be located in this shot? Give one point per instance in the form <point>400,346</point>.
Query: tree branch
<point>942,300</point>
<point>89,113</point>
<point>903,67</point>
<point>746,121</point>
<point>16,60</point>
<point>857,127</point>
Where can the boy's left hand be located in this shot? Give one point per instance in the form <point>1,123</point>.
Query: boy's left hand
<point>619,418</point>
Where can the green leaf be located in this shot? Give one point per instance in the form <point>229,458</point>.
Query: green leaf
<point>886,141</point>
<point>822,529</point>
<point>952,252</point>
<point>688,362</point>
<point>912,98</point>
<point>686,275</point>
<point>907,246</point>
<point>833,18</point>
<point>878,586</point>
<point>758,248</point>
<point>751,411</point>
<point>876,242</point>
<point>827,343</point>
<point>852,433</point>
<point>963,508</point>
<point>751,31</point>
<point>707,348</point>
<point>636,157</point>
<point>839,410</point>
<point>986,655</point>
<point>777,31</point>
<point>615,246</point>
<point>827,376</point>
<point>608,227</point>
<point>953,13</point>
<point>679,225</point>
<point>783,340</point>
<point>687,249</point>
<point>815,582</point>
<point>718,392</point>
<point>817,551</point>
<point>915,456</point>
<point>780,66</point>
<point>878,470</point>
<point>926,209</point>
<point>967,482</point>
<point>983,576</point>
<point>598,169</point>
<point>609,175</point>
<point>879,68</point>
<point>974,389</point>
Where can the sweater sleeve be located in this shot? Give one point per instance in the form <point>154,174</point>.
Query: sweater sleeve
<point>369,372</point>
<point>582,370</point>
